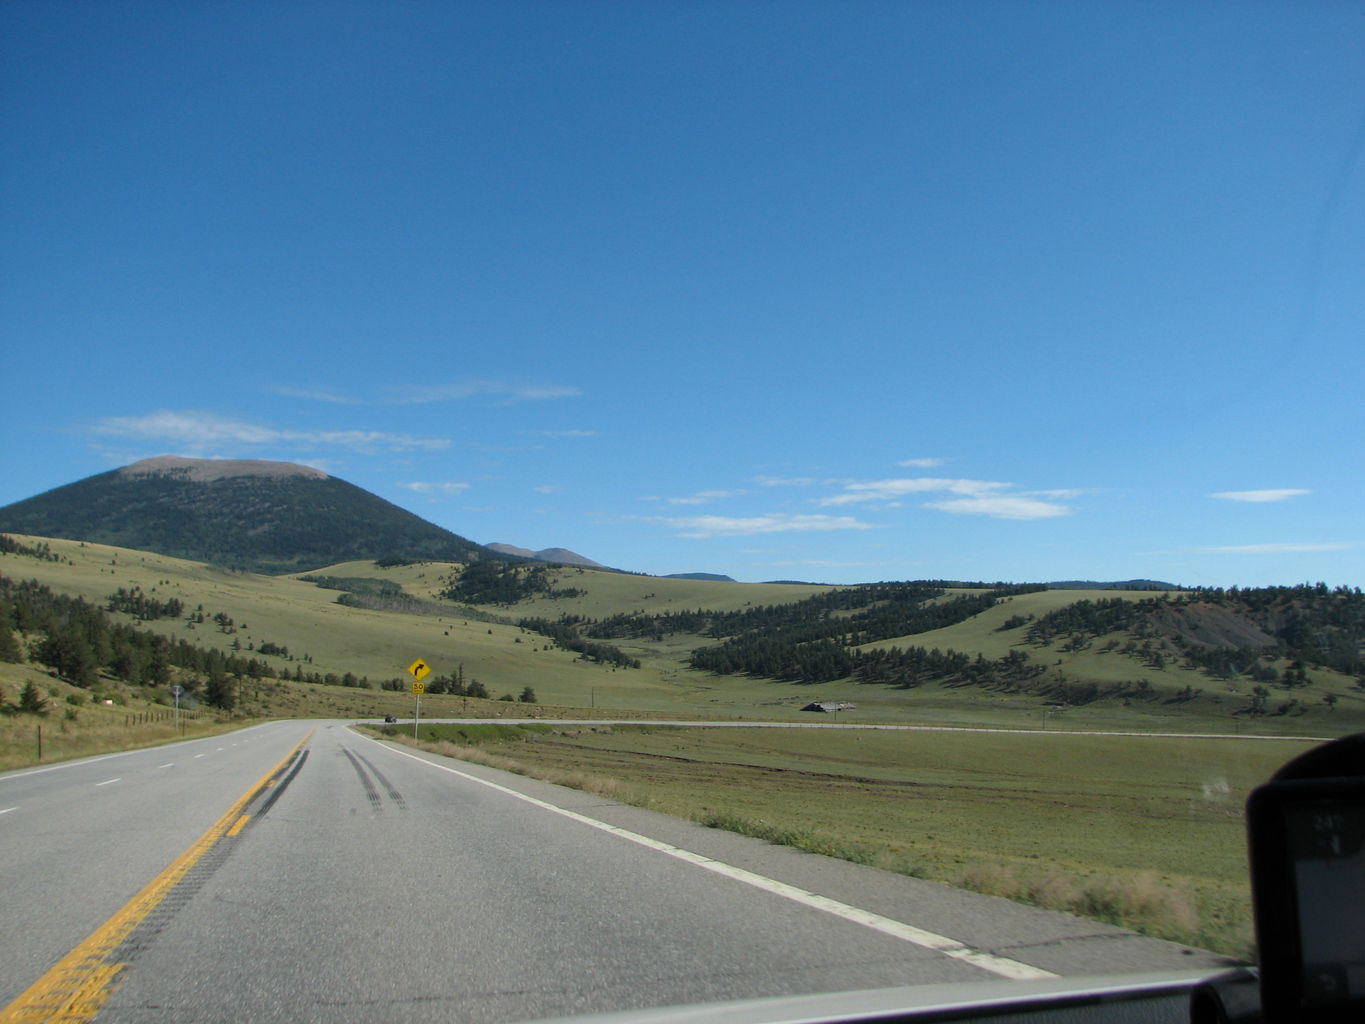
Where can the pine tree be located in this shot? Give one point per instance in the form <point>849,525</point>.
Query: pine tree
<point>68,652</point>
<point>30,701</point>
<point>219,692</point>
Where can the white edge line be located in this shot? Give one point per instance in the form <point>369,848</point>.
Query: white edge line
<point>66,764</point>
<point>1002,966</point>
<point>6,776</point>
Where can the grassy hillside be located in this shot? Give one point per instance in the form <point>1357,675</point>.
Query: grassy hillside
<point>323,636</point>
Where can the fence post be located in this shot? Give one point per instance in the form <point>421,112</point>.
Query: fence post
<point>40,743</point>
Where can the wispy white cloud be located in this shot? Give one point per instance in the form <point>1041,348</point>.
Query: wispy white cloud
<point>703,527</point>
<point>431,487</point>
<point>477,388</point>
<point>974,497</point>
<point>316,395</point>
<point>1277,549</point>
<point>367,439</point>
<point>921,463</point>
<point>425,394</point>
<point>705,497</point>
<point>548,489</point>
<point>203,431</point>
<point>1002,506</point>
<point>889,490</point>
<point>1279,494</point>
<point>781,481</point>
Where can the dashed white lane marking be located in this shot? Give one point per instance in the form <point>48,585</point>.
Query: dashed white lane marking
<point>998,965</point>
<point>108,782</point>
<point>8,809</point>
<point>81,763</point>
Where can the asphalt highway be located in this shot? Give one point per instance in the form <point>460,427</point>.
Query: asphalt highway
<point>365,882</point>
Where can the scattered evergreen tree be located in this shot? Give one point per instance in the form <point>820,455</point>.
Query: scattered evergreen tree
<point>219,691</point>
<point>30,701</point>
<point>70,655</point>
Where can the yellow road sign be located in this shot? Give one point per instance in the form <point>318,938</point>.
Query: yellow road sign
<point>419,687</point>
<point>419,670</point>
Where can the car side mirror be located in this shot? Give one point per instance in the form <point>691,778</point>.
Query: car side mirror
<point>1306,838</point>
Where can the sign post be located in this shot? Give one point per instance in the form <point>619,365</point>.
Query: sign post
<point>418,670</point>
<point>176,691</point>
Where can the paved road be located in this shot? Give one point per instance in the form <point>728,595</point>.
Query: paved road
<point>384,885</point>
<point>80,838</point>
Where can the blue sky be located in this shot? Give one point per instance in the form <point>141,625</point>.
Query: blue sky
<point>804,290</point>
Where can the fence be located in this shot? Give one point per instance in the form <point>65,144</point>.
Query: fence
<point>147,717</point>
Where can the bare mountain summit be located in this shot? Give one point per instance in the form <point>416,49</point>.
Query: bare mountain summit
<point>217,469</point>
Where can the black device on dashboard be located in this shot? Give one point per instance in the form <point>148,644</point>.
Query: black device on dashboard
<point>1306,836</point>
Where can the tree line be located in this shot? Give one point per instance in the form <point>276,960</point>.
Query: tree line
<point>1308,623</point>
<point>808,642</point>
<point>565,636</point>
<point>502,583</point>
<point>143,606</point>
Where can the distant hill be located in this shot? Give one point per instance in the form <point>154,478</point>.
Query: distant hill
<point>561,556</point>
<point>1112,585</point>
<point>699,576</point>
<point>270,517</point>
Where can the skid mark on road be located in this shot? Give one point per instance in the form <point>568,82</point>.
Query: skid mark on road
<point>394,795</point>
<point>371,793</point>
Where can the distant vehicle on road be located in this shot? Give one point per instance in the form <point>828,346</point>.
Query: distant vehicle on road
<point>390,720</point>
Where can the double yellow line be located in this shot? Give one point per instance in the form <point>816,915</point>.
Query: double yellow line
<point>76,988</point>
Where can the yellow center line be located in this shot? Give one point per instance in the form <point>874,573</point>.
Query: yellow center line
<point>77,986</point>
